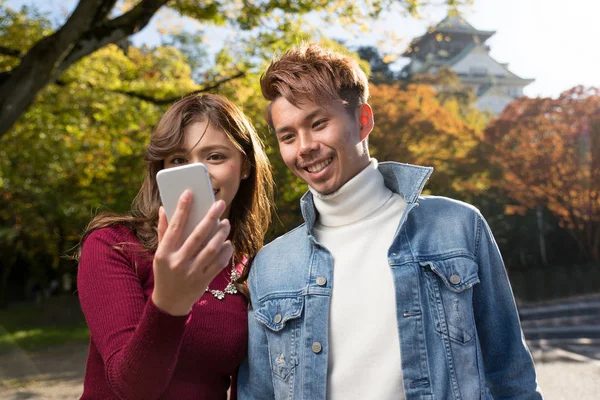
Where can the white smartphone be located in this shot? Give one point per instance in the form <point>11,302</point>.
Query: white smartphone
<point>172,182</point>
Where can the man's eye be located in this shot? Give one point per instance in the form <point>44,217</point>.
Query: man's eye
<point>286,138</point>
<point>319,124</point>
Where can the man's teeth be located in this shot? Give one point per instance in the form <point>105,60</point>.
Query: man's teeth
<point>319,167</point>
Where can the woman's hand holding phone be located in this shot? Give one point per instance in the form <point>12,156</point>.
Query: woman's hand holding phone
<point>183,269</point>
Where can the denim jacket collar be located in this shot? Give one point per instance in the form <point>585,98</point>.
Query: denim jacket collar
<point>405,179</point>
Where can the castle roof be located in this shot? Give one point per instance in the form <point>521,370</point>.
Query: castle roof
<point>453,27</point>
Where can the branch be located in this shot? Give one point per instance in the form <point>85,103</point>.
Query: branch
<point>7,51</point>
<point>222,81</point>
<point>39,65</point>
<point>111,31</point>
<point>162,102</point>
<point>4,76</point>
<point>86,31</point>
<point>104,9</point>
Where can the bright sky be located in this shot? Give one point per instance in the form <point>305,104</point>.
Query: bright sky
<point>552,41</point>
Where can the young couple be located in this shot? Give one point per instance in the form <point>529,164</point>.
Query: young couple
<point>381,294</point>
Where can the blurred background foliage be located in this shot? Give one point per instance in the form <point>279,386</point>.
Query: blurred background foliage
<point>77,147</point>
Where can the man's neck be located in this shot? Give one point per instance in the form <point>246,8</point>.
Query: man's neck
<point>358,198</point>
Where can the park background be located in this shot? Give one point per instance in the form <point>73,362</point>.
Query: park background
<point>78,104</point>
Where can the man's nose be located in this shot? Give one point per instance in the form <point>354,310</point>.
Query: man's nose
<point>308,144</point>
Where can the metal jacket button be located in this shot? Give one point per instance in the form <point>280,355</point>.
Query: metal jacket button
<point>316,347</point>
<point>277,318</point>
<point>321,281</point>
<point>454,279</point>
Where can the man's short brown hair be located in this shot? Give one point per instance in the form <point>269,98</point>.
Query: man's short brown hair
<point>311,72</point>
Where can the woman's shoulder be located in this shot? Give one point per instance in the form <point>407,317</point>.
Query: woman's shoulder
<point>112,254</point>
<point>118,237</point>
<point>112,235</point>
<point>114,245</point>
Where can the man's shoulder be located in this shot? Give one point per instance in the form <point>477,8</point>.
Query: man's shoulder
<point>285,245</point>
<point>437,214</point>
<point>278,266</point>
<point>446,206</point>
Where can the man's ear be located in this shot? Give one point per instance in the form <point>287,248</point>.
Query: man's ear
<point>366,121</point>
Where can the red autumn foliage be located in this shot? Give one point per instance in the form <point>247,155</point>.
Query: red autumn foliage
<point>548,151</point>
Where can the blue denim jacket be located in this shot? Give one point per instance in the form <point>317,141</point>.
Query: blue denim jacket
<point>460,336</point>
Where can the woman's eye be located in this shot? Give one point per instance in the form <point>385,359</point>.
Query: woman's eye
<point>216,157</point>
<point>178,160</point>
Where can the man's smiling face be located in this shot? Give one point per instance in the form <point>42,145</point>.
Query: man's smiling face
<point>322,145</point>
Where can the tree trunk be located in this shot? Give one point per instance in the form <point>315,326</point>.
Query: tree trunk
<point>86,31</point>
<point>8,265</point>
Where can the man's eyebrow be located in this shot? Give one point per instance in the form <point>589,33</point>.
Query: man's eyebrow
<point>283,129</point>
<point>308,117</point>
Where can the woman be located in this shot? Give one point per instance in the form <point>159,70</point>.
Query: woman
<point>161,323</point>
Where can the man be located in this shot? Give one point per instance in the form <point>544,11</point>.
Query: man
<point>382,293</point>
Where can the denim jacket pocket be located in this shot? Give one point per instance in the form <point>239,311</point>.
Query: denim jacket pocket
<point>281,318</point>
<point>450,285</point>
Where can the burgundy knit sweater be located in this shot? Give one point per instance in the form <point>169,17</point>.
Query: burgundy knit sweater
<point>138,351</point>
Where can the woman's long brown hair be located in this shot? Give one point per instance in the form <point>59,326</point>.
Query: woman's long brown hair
<point>251,208</point>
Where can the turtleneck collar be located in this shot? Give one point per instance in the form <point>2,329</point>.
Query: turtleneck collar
<point>355,200</point>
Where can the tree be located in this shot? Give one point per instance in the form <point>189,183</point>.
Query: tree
<point>96,23</point>
<point>79,149</point>
<point>548,152</point>
<point>412,126</point>
<point>380,69</point>
<point>454,96</point>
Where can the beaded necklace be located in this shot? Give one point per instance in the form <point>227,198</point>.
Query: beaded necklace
<point>230,288</point>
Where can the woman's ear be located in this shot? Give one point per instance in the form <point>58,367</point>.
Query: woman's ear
<point>246,169</point>
<point>366,121</point>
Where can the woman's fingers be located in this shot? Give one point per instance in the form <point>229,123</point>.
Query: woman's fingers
<point>202,255</point>
<point>222,260</point>
<point>162,223</point>
<point>175,227</point>
<point>203,232</point>
<point>215,255</point>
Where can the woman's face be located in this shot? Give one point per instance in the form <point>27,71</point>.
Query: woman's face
<point>225,163</point>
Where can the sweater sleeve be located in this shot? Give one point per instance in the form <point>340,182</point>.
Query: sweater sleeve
<point>138,342</point>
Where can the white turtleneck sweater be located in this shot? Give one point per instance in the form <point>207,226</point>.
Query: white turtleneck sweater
<point>357,224</point>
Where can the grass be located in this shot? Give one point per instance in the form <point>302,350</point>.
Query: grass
<point>55,321</point>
